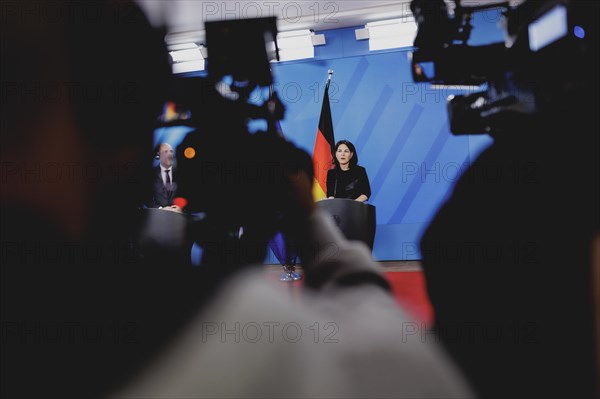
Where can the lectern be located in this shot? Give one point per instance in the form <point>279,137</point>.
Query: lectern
<point>162,236</point>
<point>356,220</point>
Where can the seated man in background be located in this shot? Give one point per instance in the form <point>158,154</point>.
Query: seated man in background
<point>82,317</point>
<point>164,185</point>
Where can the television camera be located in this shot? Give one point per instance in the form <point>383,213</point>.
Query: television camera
<point>546,62</point>
<point>239,181</point>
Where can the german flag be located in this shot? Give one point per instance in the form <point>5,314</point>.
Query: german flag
<point>322,153</point>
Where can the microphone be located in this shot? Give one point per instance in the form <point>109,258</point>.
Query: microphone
<point>180,202</point>
<point>335,186</point>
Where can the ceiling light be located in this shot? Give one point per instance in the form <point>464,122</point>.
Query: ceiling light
<point>299,44</point>
<point>187,57</point>
<point>392,33</point>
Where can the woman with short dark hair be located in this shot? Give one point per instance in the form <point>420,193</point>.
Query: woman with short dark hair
<point>347,179</point>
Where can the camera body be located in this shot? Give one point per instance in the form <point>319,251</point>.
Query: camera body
<point>238,180</point>
<point>545,63</point>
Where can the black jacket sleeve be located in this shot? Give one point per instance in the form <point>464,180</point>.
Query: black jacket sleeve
<point>364,185</point>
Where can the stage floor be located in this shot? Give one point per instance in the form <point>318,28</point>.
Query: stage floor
<point>406,279</point>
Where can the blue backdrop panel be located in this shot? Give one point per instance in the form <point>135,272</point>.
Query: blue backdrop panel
<point>400,130</point>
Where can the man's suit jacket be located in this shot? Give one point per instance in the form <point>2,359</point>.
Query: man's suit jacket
<point>160,197</point>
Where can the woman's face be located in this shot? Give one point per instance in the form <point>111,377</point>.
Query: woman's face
<point>343,154</point>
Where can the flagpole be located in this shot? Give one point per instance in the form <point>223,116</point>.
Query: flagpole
<point>330,74</point>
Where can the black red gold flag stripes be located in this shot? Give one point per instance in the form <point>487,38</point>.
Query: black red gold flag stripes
<point>324,144</point>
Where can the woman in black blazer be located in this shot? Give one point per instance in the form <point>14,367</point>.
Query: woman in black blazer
<point>347,179</point>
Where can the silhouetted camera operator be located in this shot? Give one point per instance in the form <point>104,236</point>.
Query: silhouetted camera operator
<point>508,257</point>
